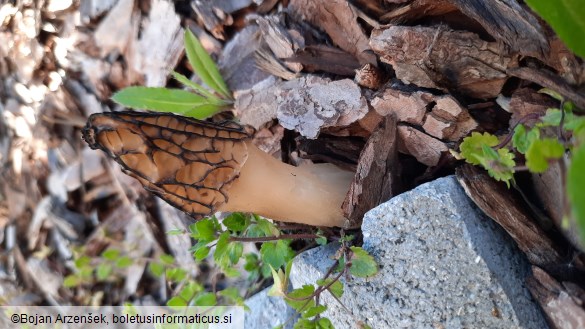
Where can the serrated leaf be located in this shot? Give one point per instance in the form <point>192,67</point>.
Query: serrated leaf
<point>103,271</point>
<point>576,189</point>
<point>499,164</point>
<point>301,298</point>
<point>111,254</point>
<point>236,222</point>
<point>203,65</point>
<point>523,138</point>
<point>232,295</point>
<point>276,253</point>
<point>231,272</point>
<point>201,253</point>
<point>161,100</point>
<point>567,18</point>
<point>227,253</point>
<point>472,146</point>
<point>553,116</point>
<point>363,264</point>
<point>313,311</point>
<point>541,152</point>
<point>321,240</point>
<point>205,299</point>
<point>176,274</point>
<point>204,229</point>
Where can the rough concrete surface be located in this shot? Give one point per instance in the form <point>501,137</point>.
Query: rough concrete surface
<point>268,312</point>
<point>442,265</point>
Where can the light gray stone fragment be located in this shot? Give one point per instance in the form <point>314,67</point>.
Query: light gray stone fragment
<point>442,265</point>
<point>268,312</point>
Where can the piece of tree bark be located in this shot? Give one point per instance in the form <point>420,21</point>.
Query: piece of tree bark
<point>377,176</point>
<point>342,152</point>
<point>528,103</point>
<point>426,149</point>
<point>510,211</point>
<point>550,81</point>
<point>326,59</point>
<point>444,59</point>
<point>407,106</point>
<point>508,21</point>
<point>340,21</point>
<point>214,18</point>
<point>563,309</point>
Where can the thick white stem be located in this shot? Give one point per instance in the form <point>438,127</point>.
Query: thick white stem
<point>310,195</point>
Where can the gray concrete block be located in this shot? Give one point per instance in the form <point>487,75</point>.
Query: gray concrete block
<point>443,264</point>
<point>268,312</point>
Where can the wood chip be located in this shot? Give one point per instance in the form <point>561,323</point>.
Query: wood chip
<point>326,59</point>
<point>443,59</point>
<point>563,310</point>
<point>426,149</point>
<point>340,22</point>
<point>527,101</point>
<point>510,211</point>
<point>377,176</point>
<point>407,106</point>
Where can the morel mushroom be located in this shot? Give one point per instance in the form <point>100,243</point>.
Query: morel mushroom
<point>202,167</point>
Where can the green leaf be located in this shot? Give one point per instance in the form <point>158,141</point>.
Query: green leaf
<point>567,18</point>
<point>227,253</point>
<point>499,164</point>
<point>576,188</point>
<point>71,281</point>
<point>231,272</point>
<point>111,254</point>
<point>176,274</point>
<point>262,228</point>
<point>197,88</point>
<point>313,311</point>
<point>472,146</point>
<point>279,287</point>
<point>276,253</point>
<point>82,261</point>
<point>522,138</point>
<point>203,65</point>
<point>363,264</point>
<point>232,295</point>
<point>541,152</point>
<point>156,268</point>
<point>160,99</point>
<point>321,240</point>
<point>189,291</point>
<point>336,288</point>
<point>205,299</point>
<point>124,262</point>
<point>204,229</point>
<point>176,302</point>
<point>298,298</point>
<point>167,259</point>
<point>324,323</point>
<point>201,253</point>
<point>236,222</point>
<point>103,271</point>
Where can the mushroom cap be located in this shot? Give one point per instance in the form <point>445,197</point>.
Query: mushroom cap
<point>187,162</point>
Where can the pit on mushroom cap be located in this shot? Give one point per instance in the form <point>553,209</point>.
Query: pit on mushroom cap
<point>202,167</point>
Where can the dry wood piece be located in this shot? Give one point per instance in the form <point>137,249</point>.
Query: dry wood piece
<point>407,106</point>
<point>551,81</point>
<point>448,120</point>
<point>508,21</point>
<point>448,110</point>
<point>216,14</point>
<point>327,59</point>
<point>369,76</point>
<point>377,176</point>
<point>510,211</point>
<point>444,59</point>
<point>339,19</point>
<point>426,149</point>
<point>277,38</point>
<point>528,102</point>
<point>563,308</point>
